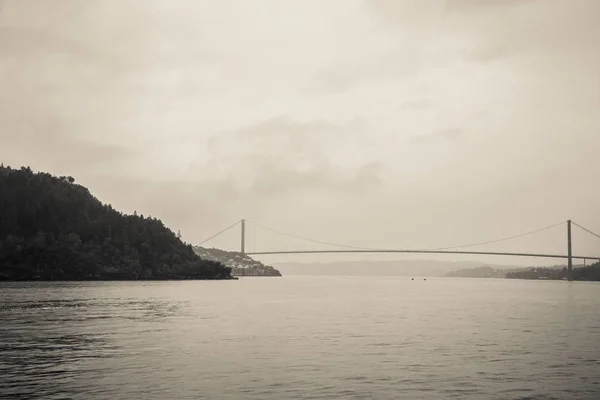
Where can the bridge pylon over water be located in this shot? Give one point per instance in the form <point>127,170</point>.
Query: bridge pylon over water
<point>443,250</point>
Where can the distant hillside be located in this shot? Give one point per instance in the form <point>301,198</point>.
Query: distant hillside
<point>556,272</point>
<point>240,264</point>
<point>407,268</point>
<point>479,272</point>
<point>54,229</point>
<point>580,273</point>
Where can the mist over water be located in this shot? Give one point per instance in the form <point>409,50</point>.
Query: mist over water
<point>301,337</point>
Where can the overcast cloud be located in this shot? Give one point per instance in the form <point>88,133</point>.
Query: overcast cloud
<point>377,123</point>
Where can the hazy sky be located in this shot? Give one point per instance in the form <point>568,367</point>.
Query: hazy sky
<point>377,123</point>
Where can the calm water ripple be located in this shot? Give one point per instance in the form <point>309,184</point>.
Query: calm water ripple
<point>301,337</point>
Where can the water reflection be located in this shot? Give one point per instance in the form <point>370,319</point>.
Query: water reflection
<point>302,338</point>
<point>39,365</point>
<point>47,345</point>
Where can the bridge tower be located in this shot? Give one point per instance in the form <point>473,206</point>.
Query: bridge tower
<point>243,225</point>
<point>569,254</point>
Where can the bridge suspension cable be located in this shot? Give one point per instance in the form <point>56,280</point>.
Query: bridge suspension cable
<point>501,240</point>
<point>585,229</point>
<point>221,232</point>
<point>430,249</point>
<point>367,249</point>
<point>307,239</point>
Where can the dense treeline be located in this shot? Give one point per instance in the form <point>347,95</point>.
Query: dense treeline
<point>54,229</point>
<point>589,273</point>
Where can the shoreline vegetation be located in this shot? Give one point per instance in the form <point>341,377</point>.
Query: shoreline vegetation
<point>53,229</point>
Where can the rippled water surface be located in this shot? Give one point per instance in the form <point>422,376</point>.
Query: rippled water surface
<point>301,337</point>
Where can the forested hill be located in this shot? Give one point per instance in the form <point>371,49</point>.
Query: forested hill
<point>53,229</point>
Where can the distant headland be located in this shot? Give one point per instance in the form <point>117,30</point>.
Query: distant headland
<point>559,272</point>
<point>240,264</point>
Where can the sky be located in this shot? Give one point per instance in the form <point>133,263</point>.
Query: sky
<point>371,123</point>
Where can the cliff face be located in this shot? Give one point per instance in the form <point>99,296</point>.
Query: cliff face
<point>240,264</point>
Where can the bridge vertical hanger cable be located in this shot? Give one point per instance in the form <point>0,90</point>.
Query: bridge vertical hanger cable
<point>503,239</point>
<point>217,234</point>
<point>585,229</point>
<point>432,249</point>
<point>307,239</point>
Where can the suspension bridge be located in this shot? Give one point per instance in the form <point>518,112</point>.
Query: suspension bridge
<point>456,250</point>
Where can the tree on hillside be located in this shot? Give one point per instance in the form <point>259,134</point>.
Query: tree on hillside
<point>52,228</point>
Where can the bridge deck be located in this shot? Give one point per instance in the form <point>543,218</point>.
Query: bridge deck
<point>487,253</point>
